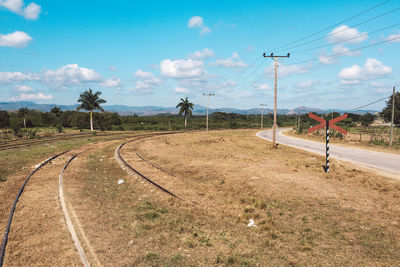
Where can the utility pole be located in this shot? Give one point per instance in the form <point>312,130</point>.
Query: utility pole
<point>391,124</point>
<point>208,104</point>
<point>262,113</point>
<point>298,128</point>
<point>275,93</point>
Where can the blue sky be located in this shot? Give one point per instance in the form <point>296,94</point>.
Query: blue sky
<point>155,52</point>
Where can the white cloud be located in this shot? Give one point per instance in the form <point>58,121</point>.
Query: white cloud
<point>15,39</point>
<point>197,22</point>
<point>383,91</point>
<point>112,68</point>
<point>307,84</point>
<point>342,50</point>
<point>181,90</point>
<point>349,82</point>
<point>147,81</point>
<point>111,82</point>
<point>70,74</point>
<point>250,48</point>
<point>326,60</point>
<point>287,70</point>
<point>343,33</point>
<point>144,75</point>
<point>376,84</point>
<point>23,88</point>
<point>239,94</point>
<point>182,68</point>
<point>261,86</point>
<point>206,53</point>
<point>26,97</point>
<point>232,62</point>
<point>16,77</point>
<point>229,83</point>
<point>394,36</point>
<point>142,90</point>
<point>351,73</point>
<point>371,69</point>
<point>30,11</point>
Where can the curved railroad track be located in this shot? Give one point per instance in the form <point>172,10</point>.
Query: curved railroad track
<point>124,163</point>
<point>21,190</point>
<point>26,143</point>
<point>73,232</point>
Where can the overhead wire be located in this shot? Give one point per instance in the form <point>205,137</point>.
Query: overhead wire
<point>345,52</point>
<point>340,31</point>
<point>262,75</point>
<point>346,40</point>
<point>334,25</point>
<point>369,104</point>
<point>342,41</point>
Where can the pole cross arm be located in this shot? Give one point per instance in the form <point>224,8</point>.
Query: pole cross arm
<point>319,119</point>
<point>335,120</point>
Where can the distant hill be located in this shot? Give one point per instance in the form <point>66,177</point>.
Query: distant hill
<point>304,110</point>
<point>153,110</point>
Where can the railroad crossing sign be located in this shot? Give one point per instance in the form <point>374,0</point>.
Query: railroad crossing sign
<point>331,123</point>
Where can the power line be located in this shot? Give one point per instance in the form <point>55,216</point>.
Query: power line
<point>341,53</point>
<point>343,30</point>
<point>255,69</point>
<point>259,77</point>
<point>369,104</point>
<point>343,41</point>
<point>247,68</point>
<point>334,25</point>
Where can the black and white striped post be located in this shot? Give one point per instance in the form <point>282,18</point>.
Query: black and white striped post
<point>327,124</point>
<point>327,147</point>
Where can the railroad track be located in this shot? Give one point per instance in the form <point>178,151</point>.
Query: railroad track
<point>124,163</point>
<point>26,143</point>
<point>21,190</point>
<point>69,224</point>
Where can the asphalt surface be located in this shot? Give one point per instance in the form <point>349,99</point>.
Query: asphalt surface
<point>387,162</point>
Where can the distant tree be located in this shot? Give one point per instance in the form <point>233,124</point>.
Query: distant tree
<point>90,101</point>
<point>57,111</point>
<point>387,111</point>
<point>4,119</point>
<point>22,112</point>
<point>185,108</point>
<point>367,119</point>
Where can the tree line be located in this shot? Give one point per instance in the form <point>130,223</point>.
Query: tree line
<point>91,101</point>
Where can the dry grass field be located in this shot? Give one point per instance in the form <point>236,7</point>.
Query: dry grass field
<point>303,216</point>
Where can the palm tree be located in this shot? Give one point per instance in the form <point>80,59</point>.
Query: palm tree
<point>90,102</point>
<point>186,108</point>
<point>23,112</point>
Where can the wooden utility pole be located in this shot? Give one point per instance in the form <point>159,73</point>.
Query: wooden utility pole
<point>391,124</point>
<point>262,113</point>
<point>298,127</point>
<point>208,104</point>
<point>275,93</point>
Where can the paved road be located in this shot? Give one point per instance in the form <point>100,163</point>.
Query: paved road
<point>378,160</point>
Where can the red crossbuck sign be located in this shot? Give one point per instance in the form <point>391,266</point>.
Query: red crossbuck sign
<point>331,123</point>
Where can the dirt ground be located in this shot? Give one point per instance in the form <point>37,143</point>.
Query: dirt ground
<point>303,216</point>
<point>38,236</point>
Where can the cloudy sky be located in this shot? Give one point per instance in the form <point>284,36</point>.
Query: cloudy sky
<point>155,52</point>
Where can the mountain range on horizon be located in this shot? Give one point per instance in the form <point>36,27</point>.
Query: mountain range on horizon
<point>154,110</point>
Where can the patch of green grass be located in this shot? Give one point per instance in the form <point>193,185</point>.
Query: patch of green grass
<point>152,215</point>
<point>151,256</point>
